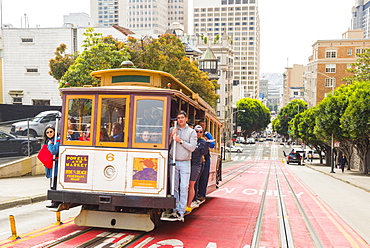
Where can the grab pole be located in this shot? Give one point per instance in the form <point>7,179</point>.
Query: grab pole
<point>173,169</point>
<point>54,156</point>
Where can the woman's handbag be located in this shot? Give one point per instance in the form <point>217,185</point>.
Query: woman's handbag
<point>46,157</point>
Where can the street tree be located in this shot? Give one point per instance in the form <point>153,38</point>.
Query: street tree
<point>255,118</point>
<point>303,127</point>
<point>99,54</point>
<point>60,64</point>
<point>328,125</point>
<point>356,121</point>
<point>281,123</point>
<point>167,53</point>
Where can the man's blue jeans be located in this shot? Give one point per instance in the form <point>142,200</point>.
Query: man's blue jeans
<point>182,177</point>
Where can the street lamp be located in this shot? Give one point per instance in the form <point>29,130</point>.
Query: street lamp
<point>225,123</point>
<point>332,80</point>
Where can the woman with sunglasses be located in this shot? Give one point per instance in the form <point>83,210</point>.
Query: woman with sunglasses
<point>197,158</point>
<point>53,142</point>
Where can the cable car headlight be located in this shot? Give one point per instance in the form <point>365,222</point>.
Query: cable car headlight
<point>110,172</point>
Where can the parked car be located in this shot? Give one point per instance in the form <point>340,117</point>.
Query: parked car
<point>240,140</point>
<point>312,153</point>
<point>234,149</point>
<point>294,157</point>
<point>13,144</point>
<point>37,124</point>
<point>251,141</point>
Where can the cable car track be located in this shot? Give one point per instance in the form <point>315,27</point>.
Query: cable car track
<point>110,238</point>
<point>285,229</point>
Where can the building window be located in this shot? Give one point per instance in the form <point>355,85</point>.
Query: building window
<point>359,51</point>
<point>41,102</point>
<point>349,51</point>
<point>17,100</point>
<point>32,70</point>
<point>27,40</point>
<point>331,54</point>
<point>330,68</point>
<point>329,82</point>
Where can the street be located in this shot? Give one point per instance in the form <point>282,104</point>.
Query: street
<point>344,201</point>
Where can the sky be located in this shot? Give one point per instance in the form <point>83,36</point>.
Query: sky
<point>288,28</point>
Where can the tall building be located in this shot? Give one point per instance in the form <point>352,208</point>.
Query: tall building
<point>77,20</point>
<point>238,20</point>
<point>293,83</point>
<point>329,62</point>
<point>151,15</point>
<point>361,17</point>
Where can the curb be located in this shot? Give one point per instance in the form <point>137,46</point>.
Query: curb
<point>345,181</point>
<point>22,201</point>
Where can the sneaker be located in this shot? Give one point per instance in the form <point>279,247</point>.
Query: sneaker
<point>188,210</point>
<point>201,199</point>
<point>194,204</point>
<point>171,217</point>
<point>181,218</point>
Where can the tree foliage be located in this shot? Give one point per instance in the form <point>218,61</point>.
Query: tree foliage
<point>281,123</point>
<point>303,126</point>
<point>167,53</point>
<point>99,54</point>
<point>360,69</point>
<point>60,64</point>
<point>356,121</point>
<point>256,116</point>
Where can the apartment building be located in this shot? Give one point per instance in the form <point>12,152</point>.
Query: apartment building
<point>293,83</point>
<point>222,51</point>
<point>152,16</point>
<point>238,20</point>
<point>328,64</point>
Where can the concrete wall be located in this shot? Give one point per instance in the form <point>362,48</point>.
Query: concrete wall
<point>22,167</point>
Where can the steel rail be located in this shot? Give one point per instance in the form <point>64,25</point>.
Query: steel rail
<point>68,237</point>
<point>286,237</point>
<point>314,236</point>
<point>258,228</point>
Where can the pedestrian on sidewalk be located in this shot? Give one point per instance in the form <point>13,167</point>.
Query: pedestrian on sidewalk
<point>342,161</point>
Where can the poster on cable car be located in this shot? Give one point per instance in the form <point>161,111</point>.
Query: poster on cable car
<point>76,168</point>
<point>145,172</point>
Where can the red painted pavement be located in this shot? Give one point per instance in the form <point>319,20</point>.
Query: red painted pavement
<point>227,218</point>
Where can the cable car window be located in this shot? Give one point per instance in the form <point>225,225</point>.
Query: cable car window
<point>79,116</point>
<point>149,121</point>
<point>113,119</point>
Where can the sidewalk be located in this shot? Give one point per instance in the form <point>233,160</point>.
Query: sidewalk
<point>352,177</point>
<point>22,190</point>
<point>26,190</point>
